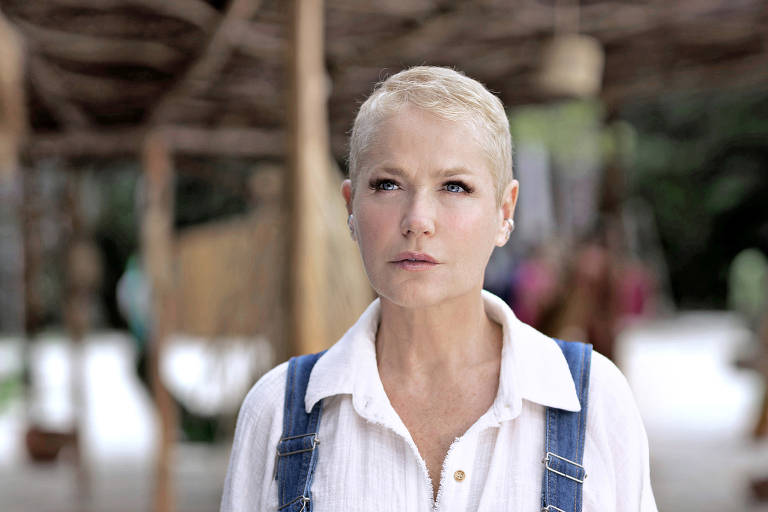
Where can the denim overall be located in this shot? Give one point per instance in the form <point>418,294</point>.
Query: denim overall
<point>564,475</point>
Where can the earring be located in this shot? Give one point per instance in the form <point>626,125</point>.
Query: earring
<point>511,223</point>
<point>349,223</point>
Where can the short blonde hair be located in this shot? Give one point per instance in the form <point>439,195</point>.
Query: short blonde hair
<point>444,92</point>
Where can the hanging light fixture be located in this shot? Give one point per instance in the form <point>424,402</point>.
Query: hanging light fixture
<point>572,63</point>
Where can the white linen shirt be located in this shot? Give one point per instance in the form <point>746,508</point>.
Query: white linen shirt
<point>367,460</point>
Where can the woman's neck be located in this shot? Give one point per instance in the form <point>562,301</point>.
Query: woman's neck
<point>436,341</point>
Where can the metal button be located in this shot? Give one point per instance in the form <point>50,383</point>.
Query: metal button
<point>459,476</point>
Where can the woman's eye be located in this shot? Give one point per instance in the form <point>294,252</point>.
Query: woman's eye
<point>457,187</point>
<point>384,185</point>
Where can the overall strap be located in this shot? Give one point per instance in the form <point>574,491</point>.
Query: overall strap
<point>296,450</point>
<point>564,438</point>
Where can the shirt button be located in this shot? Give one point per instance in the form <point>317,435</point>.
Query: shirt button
<point>459,476</point>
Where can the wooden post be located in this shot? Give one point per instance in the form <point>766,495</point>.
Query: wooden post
<point>156,238</point>
<point>13,118</point>
<point>13,123</point>
<point>83,278</point>
<point>309,156</point>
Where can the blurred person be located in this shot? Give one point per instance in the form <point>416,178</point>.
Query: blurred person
<point>748,296</point>
<point>601,291</point>
<point>585,307</point>
<point>536,285</point>
<point>134,301</point>
<point>759,362</point>
<point>438,397</point>
<point>637,290</point>
<point>748,286</point>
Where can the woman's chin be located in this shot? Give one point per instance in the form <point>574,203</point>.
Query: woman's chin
<point>417,297</point>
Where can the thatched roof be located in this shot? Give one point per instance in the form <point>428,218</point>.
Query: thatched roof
<point>99,72</point>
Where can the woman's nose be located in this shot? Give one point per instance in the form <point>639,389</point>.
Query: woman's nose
<point>419,217</point>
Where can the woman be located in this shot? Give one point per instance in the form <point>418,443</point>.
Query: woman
<point>438,397</point>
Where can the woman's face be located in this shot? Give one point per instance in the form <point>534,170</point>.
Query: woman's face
<point>425,192</point>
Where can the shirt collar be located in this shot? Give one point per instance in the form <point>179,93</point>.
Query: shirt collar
<point>533,367</point>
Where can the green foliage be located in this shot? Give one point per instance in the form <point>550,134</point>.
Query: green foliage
<point>119,215</point>
<point>571,130</point>
<point>10,388</point>
<point>701,161</point>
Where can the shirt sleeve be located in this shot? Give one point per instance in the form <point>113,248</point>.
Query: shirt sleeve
<point>250,484</point>
<point>616,449</point>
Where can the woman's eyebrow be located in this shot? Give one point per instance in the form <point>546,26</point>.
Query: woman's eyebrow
<point>441,173</point>
<point>393,170</point>
<point>453,171</point>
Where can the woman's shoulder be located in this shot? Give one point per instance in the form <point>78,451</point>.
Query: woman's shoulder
<point>616,449</point>
<point>249,483</point>
<point>606,380</point>
<point>266,396</point>
<point>611,400</point>
<point>605,370</point>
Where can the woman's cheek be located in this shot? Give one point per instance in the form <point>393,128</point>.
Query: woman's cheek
<point>466,221</point>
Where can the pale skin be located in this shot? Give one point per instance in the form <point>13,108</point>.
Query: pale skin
<point>426,186</point>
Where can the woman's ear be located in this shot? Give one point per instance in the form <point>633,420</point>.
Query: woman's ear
<point>346,193</point>
<point>508,203</point>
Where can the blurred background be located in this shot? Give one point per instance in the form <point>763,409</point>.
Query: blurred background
<point>171,228</point>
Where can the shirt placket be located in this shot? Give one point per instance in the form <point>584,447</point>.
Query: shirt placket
<point>457,475</point>
<point>374,411</point>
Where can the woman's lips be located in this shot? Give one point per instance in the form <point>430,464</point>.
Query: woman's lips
<point>415,264</point>
<point>415,261</point>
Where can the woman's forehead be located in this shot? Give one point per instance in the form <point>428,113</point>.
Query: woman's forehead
<point>416,133</point>
<point>411,116</point>
<point>441,148</point>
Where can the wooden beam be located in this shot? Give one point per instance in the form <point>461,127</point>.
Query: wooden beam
<point>53,93</point>
<point>191,140</point>
<point>63,85</point>
<point>255,40</point>
<point>514,23</point>
<point>404,46</point>
<point>212,59</point>
<point>100,50</point>
<point>404,8</point>
<point>194,12</point>
<point>745,72</point>
<point>309,152</point>
<point>84,143</point>
<point>157,251</point>
<point>227,142</point>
